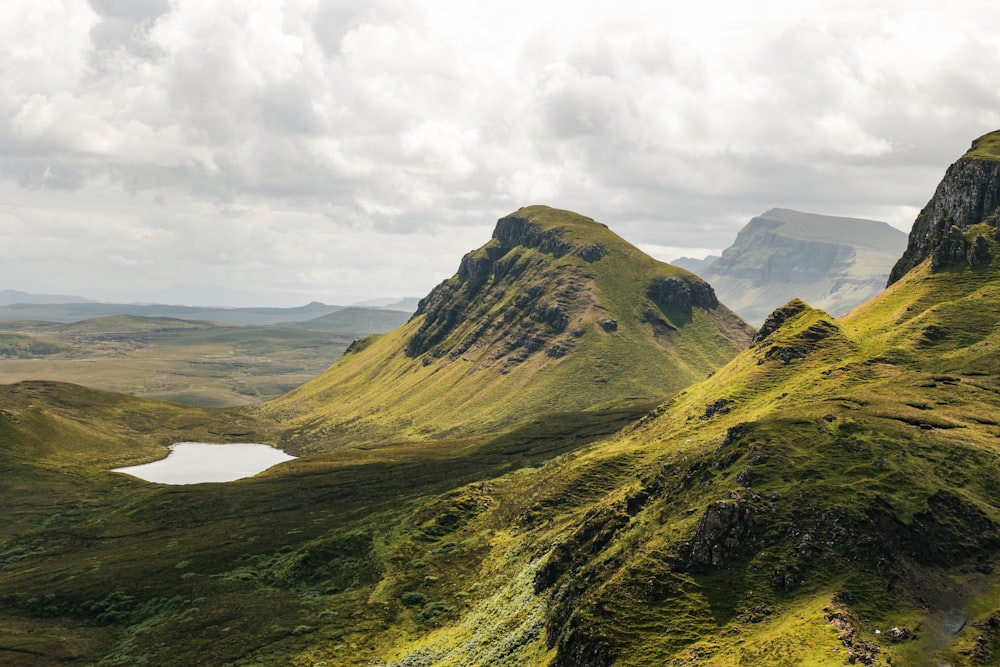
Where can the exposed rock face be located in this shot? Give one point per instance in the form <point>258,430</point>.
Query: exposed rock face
<point>832,263</point>
<point>682,294</point>
<point>968,194</point>
<point>724,533</point>
<point>534,317</point>
<point>514,230</point>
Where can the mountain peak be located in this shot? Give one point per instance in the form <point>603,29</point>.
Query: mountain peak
<point>986,147</point>
<point>554,231</point>
<point>969,194</point>
<point>555,312</point>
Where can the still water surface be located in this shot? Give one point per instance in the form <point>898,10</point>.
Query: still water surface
<point>197,462</point>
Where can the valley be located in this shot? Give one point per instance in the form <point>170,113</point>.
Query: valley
<point>187,361</point>
<point>571,455</point>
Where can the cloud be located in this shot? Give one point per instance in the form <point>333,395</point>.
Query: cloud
<point>196,134</point>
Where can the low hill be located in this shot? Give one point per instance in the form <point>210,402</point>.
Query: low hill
<point>74,312</point>
<point>9,296</point>
<point>356,321</point>
<point>555,313</point>
<point>831,262</point>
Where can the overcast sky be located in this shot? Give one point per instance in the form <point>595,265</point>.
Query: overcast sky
<point>196,150</point>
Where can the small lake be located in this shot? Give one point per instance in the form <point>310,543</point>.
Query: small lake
<point>198,462</point>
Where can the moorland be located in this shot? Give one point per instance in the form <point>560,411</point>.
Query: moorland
<point>571,455</point>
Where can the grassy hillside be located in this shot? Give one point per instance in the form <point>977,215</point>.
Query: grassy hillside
<point>101,568</point>
<point>834,482</point>
<point>831,488</point>
<point>830,495</point>
<point>555,313</point>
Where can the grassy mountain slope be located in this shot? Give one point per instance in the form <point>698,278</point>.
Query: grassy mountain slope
<point>555,313</point>
<point>101,568</point>
<point>836,481</point>
<point>829,496</point>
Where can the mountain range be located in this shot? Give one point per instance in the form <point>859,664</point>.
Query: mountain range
<point>570,455</point>
<point>22,306</point>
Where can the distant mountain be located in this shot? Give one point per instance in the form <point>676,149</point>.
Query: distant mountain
<point>832,263</point>
<point>9,296</point>
<point>555,313</point>
<point>407,305</point>
<point>693,264</point>
<point>356,321</point>
<point>75,312</point>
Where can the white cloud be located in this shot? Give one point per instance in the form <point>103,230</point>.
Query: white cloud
<point>186,138</point>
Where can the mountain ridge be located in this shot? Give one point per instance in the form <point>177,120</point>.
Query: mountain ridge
<point>550,314</point>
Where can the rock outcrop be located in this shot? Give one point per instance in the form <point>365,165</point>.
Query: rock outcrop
<point>969,194</point>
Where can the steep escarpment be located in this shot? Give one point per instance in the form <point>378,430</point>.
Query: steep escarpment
<point>831,262</point>
<point>554,313</point>
<point>968,195</point>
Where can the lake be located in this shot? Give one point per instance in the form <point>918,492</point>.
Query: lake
<point>198,462</point>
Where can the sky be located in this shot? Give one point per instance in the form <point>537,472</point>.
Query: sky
<point>258,152</point>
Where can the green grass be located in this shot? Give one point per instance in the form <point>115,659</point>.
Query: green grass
<point>838,469</point>
<point>986,147</point>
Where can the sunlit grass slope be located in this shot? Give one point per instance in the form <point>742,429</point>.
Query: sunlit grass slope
<point>555,313</point>
<point>838,480</point>
<point>830,494</point>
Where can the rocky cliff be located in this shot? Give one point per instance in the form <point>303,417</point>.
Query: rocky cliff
<point>968,195</point>
<point>833,263</point>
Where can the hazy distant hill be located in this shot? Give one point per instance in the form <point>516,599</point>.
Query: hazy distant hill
<point>832,263</point>
<point>407,304</point>
<point>360,321</point>
<point>10,296</point>
<point>695,265</point>
<point>74,312</point>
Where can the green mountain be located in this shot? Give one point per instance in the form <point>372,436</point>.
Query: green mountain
<point>829,496</point>
<point>831,262</point>
<point>556,313</point>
